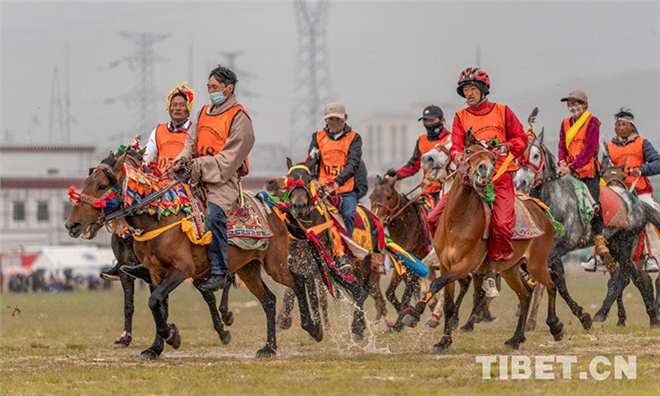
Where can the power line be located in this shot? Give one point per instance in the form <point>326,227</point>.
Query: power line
<point>312,86</point>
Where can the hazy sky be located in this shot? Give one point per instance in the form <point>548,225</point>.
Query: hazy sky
<point>384,58</point>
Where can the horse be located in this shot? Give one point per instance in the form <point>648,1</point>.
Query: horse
<point>171,257</point>
<point>406,229</point>
<point>461,249</point>
<point>304,204</point>
<point>539,175</point>
<point>438,166</point>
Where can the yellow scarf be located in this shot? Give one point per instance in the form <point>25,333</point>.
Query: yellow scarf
<point>572,131</point>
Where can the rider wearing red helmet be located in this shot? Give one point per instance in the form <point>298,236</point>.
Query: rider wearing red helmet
<point>489,121</point>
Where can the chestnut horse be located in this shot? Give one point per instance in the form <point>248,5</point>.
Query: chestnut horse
<point>171,258</point>
<point>461,250</point>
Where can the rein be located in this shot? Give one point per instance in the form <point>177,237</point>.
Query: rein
<point>391,210</point>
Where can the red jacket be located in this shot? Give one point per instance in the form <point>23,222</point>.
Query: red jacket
<point>516,138</point>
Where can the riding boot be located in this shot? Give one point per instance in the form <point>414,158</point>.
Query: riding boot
<point>111,274</point>
<point>137,271</point>
<point>216,222</point>
<point>601,245</point>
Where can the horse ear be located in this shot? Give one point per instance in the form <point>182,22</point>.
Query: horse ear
<point>289,163</point>
<point>539,138</point>
<point>378,179</point>
<point>469,138</point>
<point>623,165</point>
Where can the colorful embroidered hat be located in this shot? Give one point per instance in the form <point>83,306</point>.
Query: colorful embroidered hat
<point>184,89</point>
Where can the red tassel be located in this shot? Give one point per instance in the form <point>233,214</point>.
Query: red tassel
<point>299,183</point>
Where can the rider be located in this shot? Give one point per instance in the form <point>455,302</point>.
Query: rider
<point>361,182</point>
<point>489,121</point>
<point>578,153</point>
<point>436,133</point>
<point>165,143</point>
<point>339,150</point>
<point>219,142</point>
<point>641,160</point>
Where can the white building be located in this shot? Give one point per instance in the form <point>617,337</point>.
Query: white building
<point>34,201</point>
<point>388,141</point>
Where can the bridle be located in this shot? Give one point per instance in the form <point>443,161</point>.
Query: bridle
<point>393,212</point>
<point>523,162</point>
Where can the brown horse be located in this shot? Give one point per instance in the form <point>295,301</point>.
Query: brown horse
<point>171,258</point>
<point>304,205</point>
<point>461,250</point>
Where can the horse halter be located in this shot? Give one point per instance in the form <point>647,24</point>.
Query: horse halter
<point>525,162</point>
<point>392,211</point>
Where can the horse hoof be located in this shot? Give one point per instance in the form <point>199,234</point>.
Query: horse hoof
<point>284,323</point>
<point>358,337</point>
<point>489,319</point>
<point>174,339</point>
<point>411,319</point>
<point>655,323</point>
<point>225,337</point>
<point>599,318</point>
<point>586,321</point>
<point>119,345</point>
<point>440,347</point>
<point>557,331</point>
<point>512,344</point>
<point>432,324</point>
<point>228,319</point>
<point>621,323</point>
<point>317,333</point>
<point>530,326</point>
<point>148,354</point>
<point>265,352</point>
<point>468,327</point>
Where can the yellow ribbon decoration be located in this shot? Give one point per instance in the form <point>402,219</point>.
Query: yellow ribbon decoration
<point>505,165</point>
<point>572,131</point>
<point>186,227</point>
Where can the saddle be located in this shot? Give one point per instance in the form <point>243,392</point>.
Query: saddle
<point>525,227</point>
<point>615,209</point>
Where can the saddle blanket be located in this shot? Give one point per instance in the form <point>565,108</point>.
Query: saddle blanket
<point>525,228</point>
<point>615,209</point>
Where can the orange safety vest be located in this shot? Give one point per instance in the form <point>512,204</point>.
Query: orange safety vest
<point>489,126</point>
<point>169,144</point>
<point>424,146</point>
<point>577,145</point>
<point>633,154</point>
<point>334,155</point>
<point>213,132</point>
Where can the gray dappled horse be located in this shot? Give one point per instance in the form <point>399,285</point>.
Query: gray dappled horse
<point>539,176</point>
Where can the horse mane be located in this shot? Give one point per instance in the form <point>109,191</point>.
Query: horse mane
<point>550,160</point>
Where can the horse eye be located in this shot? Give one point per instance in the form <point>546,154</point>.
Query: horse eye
<point>388,196</point>
<point>102,187</point>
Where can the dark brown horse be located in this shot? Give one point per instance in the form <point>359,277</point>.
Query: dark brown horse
<point>171,258</point>
<point>461,250</point>
<point>304,206</point>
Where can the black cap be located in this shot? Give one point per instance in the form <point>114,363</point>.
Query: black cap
<point>431,112</point>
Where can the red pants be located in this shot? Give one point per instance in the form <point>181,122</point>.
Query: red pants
<point>500,246</point>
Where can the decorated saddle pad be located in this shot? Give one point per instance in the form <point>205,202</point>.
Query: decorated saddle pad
<point>249,220</point>
<point>525,227</point>
<point>615,209</point>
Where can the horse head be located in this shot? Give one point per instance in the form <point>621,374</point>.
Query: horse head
<point>385,200</point>
<point>436,163</point>
<point>276,187</point>
<point>530,165</point>
<point>480,160</point>
<point>299,189</point>
<point>614,175</point>
<point>101,193</point>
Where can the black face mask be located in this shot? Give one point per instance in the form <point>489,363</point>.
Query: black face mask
<point>431,128</point>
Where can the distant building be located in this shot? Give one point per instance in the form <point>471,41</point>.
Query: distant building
<point>34,201</point>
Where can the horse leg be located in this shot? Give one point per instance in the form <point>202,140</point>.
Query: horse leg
<point>514,280</point>
<point>390,292</point>
<point>479,302</point>
<point>412,287</point>
<point>413,314</point>
<point>227,315</point>
<point>559,279</point>
<point>209,298</point>
<point>301,284</point>
<point>377,295</point>
<point>615,285</point>
<point>621,311</point>
<point>284,318</point>
<point>437,312</point>
<point>323,299</point>
<point>531,318</point>
<point>465,285</point>
<point>251,275</point>
<point>539,272</point>
<point>657,292</point>
<point>159,309</point>
<point>647,293</point>
<point>450,320</point>
<point>128,286</point>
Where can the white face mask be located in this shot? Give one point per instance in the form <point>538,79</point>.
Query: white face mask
<point>336,126</point>
<point>576,111</point>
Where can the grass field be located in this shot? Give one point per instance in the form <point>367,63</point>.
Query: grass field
<point>61,344</point>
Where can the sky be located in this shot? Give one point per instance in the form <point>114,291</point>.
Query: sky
<point>384,58</point>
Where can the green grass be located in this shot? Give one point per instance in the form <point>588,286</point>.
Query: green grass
<point>61,344</point>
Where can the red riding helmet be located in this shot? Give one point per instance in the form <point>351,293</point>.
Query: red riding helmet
<point>476,76</point>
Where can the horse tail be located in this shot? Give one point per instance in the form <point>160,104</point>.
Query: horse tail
<point>652,215</point>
